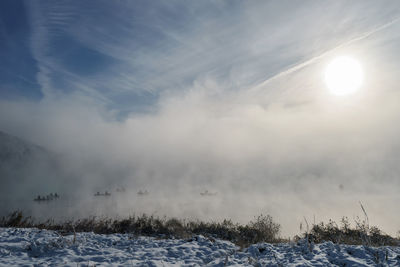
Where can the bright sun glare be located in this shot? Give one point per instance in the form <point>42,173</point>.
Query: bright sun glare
<point>343,75</point>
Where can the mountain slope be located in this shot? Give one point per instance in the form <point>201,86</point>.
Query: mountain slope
<point>17,152</point>
<point>25,169</point>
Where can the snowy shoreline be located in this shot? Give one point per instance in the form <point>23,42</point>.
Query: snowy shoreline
<point>34,247</point>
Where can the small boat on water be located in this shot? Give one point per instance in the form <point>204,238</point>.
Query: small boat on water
<point>207,193</point>
<point>48,197</point>
<point>106,193</point>
<point>142,193</point>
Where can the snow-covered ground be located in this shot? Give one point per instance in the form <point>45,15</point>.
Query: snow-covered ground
<point>33,247</point>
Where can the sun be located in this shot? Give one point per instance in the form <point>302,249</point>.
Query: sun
<point>344,76</point>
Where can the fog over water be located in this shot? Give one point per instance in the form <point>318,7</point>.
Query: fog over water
<point>232,101</point>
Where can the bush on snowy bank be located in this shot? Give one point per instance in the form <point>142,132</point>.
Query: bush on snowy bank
<point>261,229</point>
<point>361,234</point>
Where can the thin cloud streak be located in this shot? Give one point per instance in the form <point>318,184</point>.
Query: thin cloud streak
<point>324,54</point>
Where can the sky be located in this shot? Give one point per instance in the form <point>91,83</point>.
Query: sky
<point>226,96</point>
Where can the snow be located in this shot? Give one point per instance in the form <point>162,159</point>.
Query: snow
<point>32,247</point>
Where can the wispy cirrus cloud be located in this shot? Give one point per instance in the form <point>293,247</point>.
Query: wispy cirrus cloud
<point>140,50</point>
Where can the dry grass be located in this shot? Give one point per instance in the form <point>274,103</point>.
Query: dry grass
<point>261,229</point>
<point>344,233</point>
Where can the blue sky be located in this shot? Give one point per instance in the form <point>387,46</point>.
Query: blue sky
<point>18,66</point>
<point>126,55</point>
